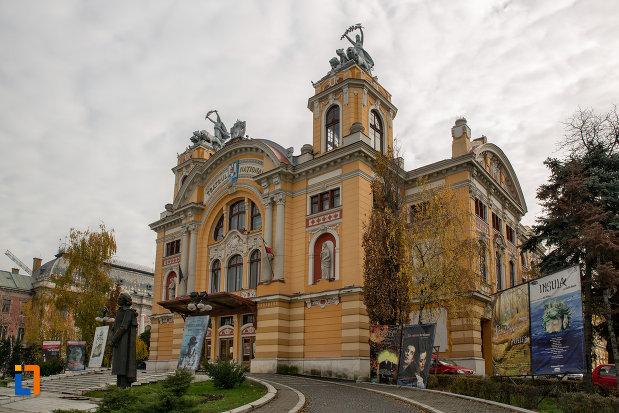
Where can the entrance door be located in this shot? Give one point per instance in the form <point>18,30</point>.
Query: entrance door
<point>248,350</point>
<point>226,349</point>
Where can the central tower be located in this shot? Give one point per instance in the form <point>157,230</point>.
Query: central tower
<point>349,104</point>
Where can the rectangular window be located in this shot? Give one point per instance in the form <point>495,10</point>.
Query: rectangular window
<point>172,248</point>
<point>20,334</point>
<point>21,307</point>
<point>510,234</point>
<point>6,305</point>
<point>226,321</point>
<point>4,332</point>
<point>481,210</point>
<point>512,274</point>
<point>497,223</point>
<point>325,201</point>
<point>523,259</point>
<point>248,318</point>
<point>418,210</point>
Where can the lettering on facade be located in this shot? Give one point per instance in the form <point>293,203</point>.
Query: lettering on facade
<point>248,293</point>
<point>242,168</point>
<point>323,219</point>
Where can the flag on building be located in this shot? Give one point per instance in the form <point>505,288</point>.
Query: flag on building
<point>180,274</point>
<point>266,247</point>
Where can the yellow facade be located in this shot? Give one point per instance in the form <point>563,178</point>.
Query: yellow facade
<point>309,316</point>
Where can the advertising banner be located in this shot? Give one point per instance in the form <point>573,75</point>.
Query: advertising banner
<point>384,353</point>
<point>416,356</point>
<point>193,342</point>
<point>50,350</point>
<point>76,355</point>
<point>557,339</point>
<point>98,347</point>
<point>511,341</point>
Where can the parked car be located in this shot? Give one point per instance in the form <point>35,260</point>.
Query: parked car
<point>604,378</point>
<point>442,365</point>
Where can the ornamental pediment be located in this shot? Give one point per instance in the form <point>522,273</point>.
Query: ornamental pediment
<point>235,242</point>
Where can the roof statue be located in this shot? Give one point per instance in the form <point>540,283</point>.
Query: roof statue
<point>354,54</point>
<point>218,140</point>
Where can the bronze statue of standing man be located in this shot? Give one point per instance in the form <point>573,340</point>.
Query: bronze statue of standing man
<point>123,340</point>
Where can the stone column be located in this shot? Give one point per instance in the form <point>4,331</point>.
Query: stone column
<point>265,274</point>
<point>182,285</point>
<point>278,268</point>
<point>191,277</point>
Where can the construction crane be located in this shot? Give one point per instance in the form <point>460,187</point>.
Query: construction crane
<point>18,262</point>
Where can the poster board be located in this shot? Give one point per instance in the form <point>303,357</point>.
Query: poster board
<point>416,355</point>
<point>50,350</point>
<point>557,334</point>
<point>384,353</point>
<point>98,347</point>
<point>511,341</point>
<point>76,355</point>
<point>193,342</point>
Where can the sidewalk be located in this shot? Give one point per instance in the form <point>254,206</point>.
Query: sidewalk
<point>287,400</point>
<point>45,402</point>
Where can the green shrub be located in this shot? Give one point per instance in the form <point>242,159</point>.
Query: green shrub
<point>51,367</point>
<point>225,374</point>
<point>585,403</point>
<point>118,400</point>
<point>169,398</point>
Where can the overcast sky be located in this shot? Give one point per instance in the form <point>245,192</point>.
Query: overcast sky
<point>98,98</point>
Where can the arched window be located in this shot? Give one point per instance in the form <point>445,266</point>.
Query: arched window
<point>254,269</point>
<point>499,272</point>
<point>333,127</point>
<point>234,280</point>
<point>512,274</point>
<point>483,268</point>
<point>237,216</point>
<point>376,131</point>
<point>215,275</point>
<point>256,218</point>
<point>170,287</point>
<point>218,233</point>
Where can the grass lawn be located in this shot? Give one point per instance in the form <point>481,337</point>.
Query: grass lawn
<point>202,391</point>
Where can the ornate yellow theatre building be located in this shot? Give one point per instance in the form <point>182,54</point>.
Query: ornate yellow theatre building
<point>301,309</point>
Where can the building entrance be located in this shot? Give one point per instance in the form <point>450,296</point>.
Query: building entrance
<point>226,349</point>
<point>248,350</point>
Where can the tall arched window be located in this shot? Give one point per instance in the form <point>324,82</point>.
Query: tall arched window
<point>499,272</point>
<point>254,269</point>
<point>234,280</point>
<point>483,268</point>
<point>512,274</point>
<point>256,218</point>
<point>332,126</point>
<point>215,276</point>
<point>237,216</point>
<point>218,233</point>
<point>170,288</point>
<point>376,131</point>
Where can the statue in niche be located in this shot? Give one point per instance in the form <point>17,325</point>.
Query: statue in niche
<point>123,341</point>
<point>325,262</point>
<point>172,289</point>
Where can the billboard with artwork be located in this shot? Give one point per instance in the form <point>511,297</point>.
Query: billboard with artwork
<point>384,353</point>
<point>416,354</point>
<point>76,355</point>
<point>511,342</point>
<point>193,342</point>
<point>557,337</point>
<point>98,346</point>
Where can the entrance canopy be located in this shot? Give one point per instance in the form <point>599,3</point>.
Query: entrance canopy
<point>223,304</point>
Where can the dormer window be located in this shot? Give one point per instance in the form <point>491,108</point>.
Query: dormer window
<point>376,131</point>
<point>332,126</point>
<point>218,233</point>
<point>237,216</point>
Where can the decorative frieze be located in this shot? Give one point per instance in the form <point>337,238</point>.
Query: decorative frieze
<point>168,262</point>
<point>322,302</point>
<point>323,218</point>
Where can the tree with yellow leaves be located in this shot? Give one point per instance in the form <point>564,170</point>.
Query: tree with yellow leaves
<point>441,240</point>
<point>386,280</point>
<point>84,287</point>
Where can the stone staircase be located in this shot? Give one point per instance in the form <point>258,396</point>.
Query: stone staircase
<point>79,382</point>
